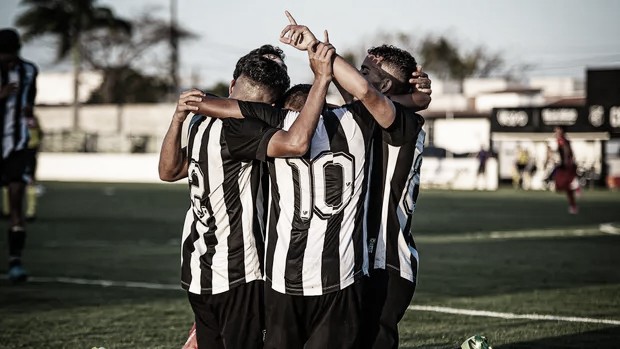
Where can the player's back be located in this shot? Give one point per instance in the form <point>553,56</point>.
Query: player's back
<point>315,243</point>
<point>222,241</point>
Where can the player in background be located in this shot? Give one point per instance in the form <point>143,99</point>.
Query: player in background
<point>35,135</point>
<point>17,96</point>
<point>565,173</point>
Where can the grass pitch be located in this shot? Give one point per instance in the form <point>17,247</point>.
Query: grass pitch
<point>505,251</point>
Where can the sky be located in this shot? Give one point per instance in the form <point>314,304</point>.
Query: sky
<point>555,38</point>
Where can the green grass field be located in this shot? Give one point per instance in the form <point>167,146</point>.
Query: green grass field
<point>505,251</point>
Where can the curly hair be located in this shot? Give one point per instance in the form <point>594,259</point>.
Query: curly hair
<point>398,60</point>
<point>268,75</point>
<point>9,41</point>
<point>265,50</point>
<point>295,97</point>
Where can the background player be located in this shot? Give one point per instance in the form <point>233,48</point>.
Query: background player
<point>17,96</point>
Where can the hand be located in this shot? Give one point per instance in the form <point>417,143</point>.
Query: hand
<point>321,59</point>
<point>420,81</point>
<point>8,89</point>
<point>298,36</point>
<point>183,109</point>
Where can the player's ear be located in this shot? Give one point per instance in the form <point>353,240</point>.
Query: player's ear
<point>232,86</point>
<point>385,86</point>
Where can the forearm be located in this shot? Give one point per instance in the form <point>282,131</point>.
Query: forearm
<point>218,107</point>
<point>416,100</point>
<point>346,96</point>
<point>352,81</point>
<point>172,159</point>
<point>347,78</point>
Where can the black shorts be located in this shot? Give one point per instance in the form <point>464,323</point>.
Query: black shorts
<point>386,299</point>
<point>31,163</point>
<point>14,168</point>
<point>331,320</point>
<point>233,319</point>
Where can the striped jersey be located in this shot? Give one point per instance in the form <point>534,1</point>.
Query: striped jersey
<point>14,130</point>
<point>315,243</point>
<point>391,200</point>
<point>222,244</point>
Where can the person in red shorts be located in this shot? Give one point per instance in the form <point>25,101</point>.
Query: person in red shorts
<point>566,171</point>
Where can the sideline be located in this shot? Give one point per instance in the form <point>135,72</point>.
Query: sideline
<point>430,308</point>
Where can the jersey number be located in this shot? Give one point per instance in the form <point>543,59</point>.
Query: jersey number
<point>197,189</point>
<point>413,185</point>
<point>315,183</point>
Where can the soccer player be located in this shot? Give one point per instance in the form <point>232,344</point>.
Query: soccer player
<point>392,196</point>
<point>566,171</point>
<point>394,182</point>
<point>17,96</point>
<point>315,253</point>
<point>222,241</point>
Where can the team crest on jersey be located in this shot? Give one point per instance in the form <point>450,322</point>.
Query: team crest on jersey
<point>371,245</point>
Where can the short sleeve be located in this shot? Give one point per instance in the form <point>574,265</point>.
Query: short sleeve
<point>405,128</point>
<point>270,115</point>
<point>247,139</point>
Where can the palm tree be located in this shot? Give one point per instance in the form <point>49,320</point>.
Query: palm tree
<point>68,20</point>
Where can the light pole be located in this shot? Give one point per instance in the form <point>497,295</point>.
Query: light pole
<point>174,50</point>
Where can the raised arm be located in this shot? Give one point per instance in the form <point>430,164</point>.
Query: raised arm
<point>172,157</point>
<point>296,141</point>
<point>345,75</point>
<point>381,107</point>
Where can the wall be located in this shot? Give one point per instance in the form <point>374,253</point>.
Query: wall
<point>142,168</point>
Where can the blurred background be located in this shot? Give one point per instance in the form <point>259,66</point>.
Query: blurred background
<point>108,85</point>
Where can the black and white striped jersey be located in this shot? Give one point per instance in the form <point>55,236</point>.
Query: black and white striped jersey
<point>223,236</point>
<point>315,242</point>
<point>391,200</point>
<point>14,128</point>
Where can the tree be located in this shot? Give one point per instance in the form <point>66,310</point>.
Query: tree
<point>444,58</point>
<point>219,89</point>
<point>126,85</point>
<point>120,55</point>
<point>68,21</point>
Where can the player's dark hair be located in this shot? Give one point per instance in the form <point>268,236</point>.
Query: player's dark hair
<point>400,61</point>
<point>295,97</point>
<point>261,51</point>
<point>266,74</point>
<point>9,41</point>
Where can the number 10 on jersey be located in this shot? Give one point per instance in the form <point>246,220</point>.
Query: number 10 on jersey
<point>324,185</point>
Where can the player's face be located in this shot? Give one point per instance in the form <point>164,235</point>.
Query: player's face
<point>372,71</point>
<point>7,59</point>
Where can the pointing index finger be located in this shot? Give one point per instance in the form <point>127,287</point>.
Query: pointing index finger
<point>290,18</point>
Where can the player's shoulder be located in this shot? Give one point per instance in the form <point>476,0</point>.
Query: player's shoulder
<point>28,64</point>
<point>197,118</point>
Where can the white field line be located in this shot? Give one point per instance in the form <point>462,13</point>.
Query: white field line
<point>106,283</point>
<point>602,229</point>
<point>436,309</point>
<point>511,316</point>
